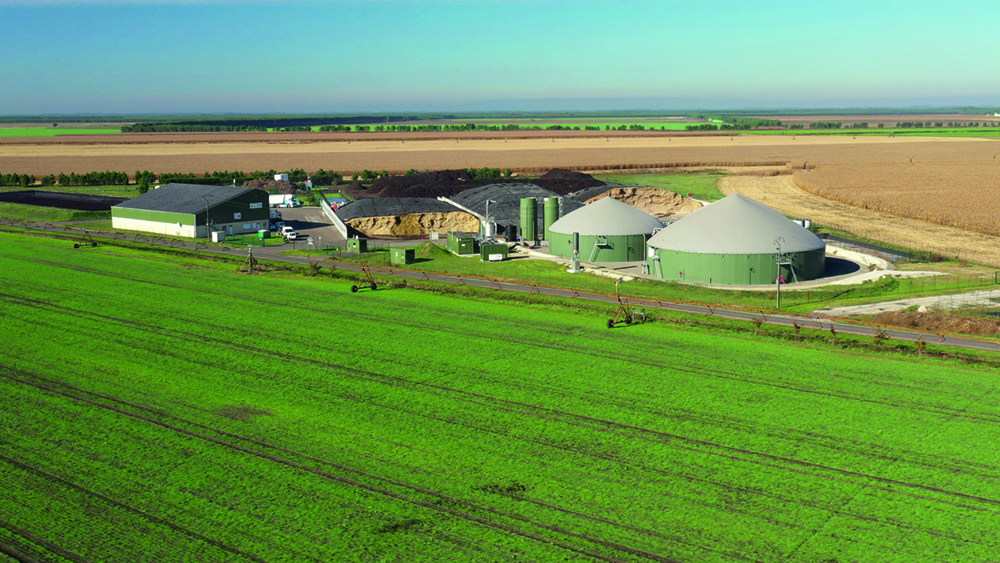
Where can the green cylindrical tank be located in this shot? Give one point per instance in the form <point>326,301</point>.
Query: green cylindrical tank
<point>529,214</point>
<point>551,214</point>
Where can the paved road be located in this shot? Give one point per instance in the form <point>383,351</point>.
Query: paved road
<point>783,319</point>
<point>309,222</point>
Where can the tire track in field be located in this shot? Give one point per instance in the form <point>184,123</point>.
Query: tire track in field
<point>147,516</point>
<point>76,390</point>
<point>608,458</point>
<point>616,459</point>
<point>584,452</point>
<point>343,480</point>
<point>701,371</point>
<point>913,458</point>
<point>652,435</point>
<point>580,350</point>
<point>32,538</point>
<point>538,327</point>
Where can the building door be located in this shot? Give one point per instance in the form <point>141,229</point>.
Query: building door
<point>229,229</point>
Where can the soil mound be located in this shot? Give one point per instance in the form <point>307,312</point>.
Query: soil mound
<point>563,174</point>
<point>275,187</point>
<point>657,202</point>
<point>447,183</point>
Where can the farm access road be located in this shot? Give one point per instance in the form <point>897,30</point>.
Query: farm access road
<point>806,321</point>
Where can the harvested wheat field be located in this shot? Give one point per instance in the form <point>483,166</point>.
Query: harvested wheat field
<point>782,193</point>
<point>965,196</point>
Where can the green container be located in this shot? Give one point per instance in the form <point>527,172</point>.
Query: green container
<point>461,243</point>
<point>358,245</point>
<point>402,256</point>
<point>529,215</point>
<point>552,206</point>
<point>263,234</point>
<point>486,250</point>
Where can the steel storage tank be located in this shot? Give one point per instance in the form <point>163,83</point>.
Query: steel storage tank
<point>529,210</point>
<point>551,214</point>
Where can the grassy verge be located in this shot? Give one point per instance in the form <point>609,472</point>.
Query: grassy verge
<point>702,185</point>
<point>433,258</point>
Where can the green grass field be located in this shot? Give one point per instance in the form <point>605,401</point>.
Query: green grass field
<point>703,186</point>
<point>52,131</point>
<point>150,414</point>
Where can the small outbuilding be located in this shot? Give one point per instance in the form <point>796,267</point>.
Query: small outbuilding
<point>610,231</point>
<point>185,210</point>
<point>735,241</point>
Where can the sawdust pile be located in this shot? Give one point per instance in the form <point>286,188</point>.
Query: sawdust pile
<point>656,201</point>
<point>415,224</point>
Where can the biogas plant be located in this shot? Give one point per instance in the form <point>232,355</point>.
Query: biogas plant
<point>734,241</point>
<point>611,229</point>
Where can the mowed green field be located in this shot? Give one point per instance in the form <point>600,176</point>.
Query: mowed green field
<point>155,411</point>
<point>53,131</point>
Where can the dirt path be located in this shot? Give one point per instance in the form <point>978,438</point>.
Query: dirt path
<point>781,193</point>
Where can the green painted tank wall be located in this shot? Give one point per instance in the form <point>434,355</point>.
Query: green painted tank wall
<point>735,269</point>
<point>529,216</point>
<point>551,215</point>
<point>624,248</point>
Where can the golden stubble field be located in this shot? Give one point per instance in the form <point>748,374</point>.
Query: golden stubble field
<point>784,194</point>
<point>966,195</point>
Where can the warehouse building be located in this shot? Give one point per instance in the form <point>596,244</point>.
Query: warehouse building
<point>736,241</point>
<point>185,210</point>
<point>610,231</point>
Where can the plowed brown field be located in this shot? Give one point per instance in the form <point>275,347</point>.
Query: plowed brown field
<point>783,194</point>
<point>539,154</point>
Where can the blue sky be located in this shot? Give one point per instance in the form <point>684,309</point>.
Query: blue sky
<point>129,56</point>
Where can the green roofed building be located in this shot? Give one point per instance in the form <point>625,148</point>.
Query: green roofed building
<point>610,231</point>
<point>734,242</point>
<point>185,210</point>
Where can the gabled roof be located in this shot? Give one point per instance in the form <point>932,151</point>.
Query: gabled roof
<point>184,198</point>
<point>735,225</point>
<point>607,217</point>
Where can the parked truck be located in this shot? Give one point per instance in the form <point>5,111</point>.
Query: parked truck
<point>283,200</point>
<point>275,215</point>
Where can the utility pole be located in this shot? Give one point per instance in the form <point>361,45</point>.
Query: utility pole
<point>777,280</point>
<point>208,224</point>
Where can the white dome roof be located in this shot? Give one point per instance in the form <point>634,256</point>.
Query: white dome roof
<point>607,217</point>
<point>735,225</point>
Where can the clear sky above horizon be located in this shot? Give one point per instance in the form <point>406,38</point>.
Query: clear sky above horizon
<point>209,56</point>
